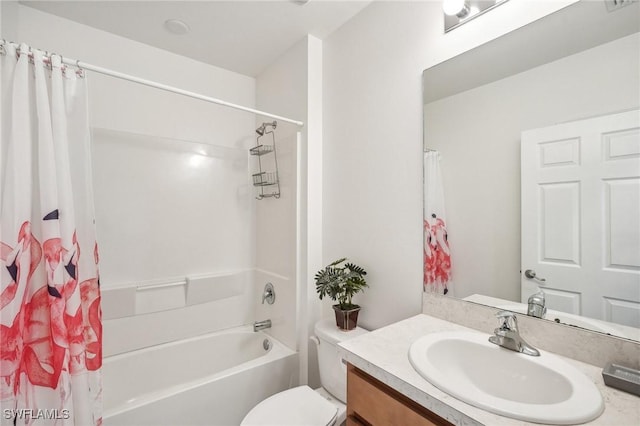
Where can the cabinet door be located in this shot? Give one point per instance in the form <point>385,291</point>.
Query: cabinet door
<point>371,402</point>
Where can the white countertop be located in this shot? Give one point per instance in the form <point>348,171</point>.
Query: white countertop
<point>383,354</point>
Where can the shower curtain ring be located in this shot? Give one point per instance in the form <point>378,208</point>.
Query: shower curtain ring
<point>79,71</point>
<point>47,60</point>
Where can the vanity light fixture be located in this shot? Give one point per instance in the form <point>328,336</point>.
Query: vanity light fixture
<point>459,8</point>
<point>457,12</point>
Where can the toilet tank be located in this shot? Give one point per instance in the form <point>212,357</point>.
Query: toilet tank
<point>333,373</point>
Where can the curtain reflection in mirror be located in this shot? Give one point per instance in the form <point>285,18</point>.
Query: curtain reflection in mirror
<point>437,256</point>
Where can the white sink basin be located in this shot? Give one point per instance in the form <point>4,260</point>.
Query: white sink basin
<point>543,389</point>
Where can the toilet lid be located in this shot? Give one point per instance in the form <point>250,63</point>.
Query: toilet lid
<point>297,406</point>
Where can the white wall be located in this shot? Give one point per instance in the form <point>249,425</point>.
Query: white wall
<point>373,139</point>
<point>127,106</point>
<point>9,20</point>
<point>289,229</point>
<point>172,191</point>
<point>478,131</point>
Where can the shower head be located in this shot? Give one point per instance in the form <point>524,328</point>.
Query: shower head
<point>261,130</point>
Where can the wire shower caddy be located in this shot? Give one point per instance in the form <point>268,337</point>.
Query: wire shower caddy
<point>267,180</point>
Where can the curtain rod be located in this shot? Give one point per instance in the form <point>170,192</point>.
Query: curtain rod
<point>116,74</point>
<point>156,85</point>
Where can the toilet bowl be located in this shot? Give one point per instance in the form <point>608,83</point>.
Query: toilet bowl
<point>295,407</point>
<point>302,405</point>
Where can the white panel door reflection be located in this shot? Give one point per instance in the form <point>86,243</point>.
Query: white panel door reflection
<point>581,216</point>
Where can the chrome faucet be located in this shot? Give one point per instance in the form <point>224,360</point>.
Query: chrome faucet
<point>269,294</point>
<point>261,325</point>
<point>508,337</point>
<point>536,305</point>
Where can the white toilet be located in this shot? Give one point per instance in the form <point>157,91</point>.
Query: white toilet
<point>302,405</point>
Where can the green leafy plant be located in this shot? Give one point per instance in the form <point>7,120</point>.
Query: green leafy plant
<point>340,282</point>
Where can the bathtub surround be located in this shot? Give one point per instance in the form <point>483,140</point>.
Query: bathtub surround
<point>141,331</point>
<point>132,122</point>
<point>222,294</point>
<point>169,283</point>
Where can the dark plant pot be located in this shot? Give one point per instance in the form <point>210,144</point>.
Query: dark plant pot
<point>346,320</point>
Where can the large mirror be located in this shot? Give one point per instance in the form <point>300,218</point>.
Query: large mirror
<point>506,230</point>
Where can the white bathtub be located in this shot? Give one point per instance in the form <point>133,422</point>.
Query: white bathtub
<point>214,379</point>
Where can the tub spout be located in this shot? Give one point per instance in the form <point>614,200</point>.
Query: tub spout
<point>261,325</point>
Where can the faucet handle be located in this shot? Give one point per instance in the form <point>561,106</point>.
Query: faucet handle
<point>505,314</point>
<point>269,294</point>
<point>508,320</point>
<point>507,335</point>
<point>536,306</point>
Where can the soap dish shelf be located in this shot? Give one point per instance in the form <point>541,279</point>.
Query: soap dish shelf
<point>623,378</point>
<point>261,150</point>
<point>265,179</point>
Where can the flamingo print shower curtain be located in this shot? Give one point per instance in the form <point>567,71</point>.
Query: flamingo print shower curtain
<point>50,318</point>
<point>437,257</point>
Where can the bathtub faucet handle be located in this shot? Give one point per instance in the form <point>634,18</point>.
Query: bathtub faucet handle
<point>269,294</point>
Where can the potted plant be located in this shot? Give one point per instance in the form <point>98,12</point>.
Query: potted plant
<point>340,282</point>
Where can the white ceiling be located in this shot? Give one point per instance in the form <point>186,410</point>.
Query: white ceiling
<point>241,36</point>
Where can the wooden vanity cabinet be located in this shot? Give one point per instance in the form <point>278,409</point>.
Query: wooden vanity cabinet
<point>371,402</point>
